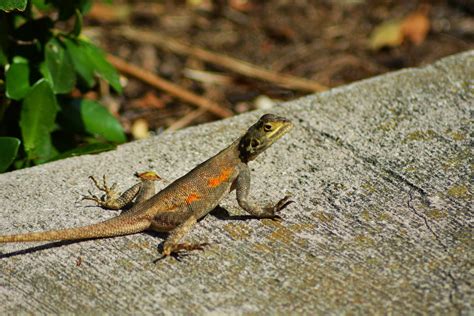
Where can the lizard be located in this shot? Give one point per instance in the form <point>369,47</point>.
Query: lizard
<point>178,207</point>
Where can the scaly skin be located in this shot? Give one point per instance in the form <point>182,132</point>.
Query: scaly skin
<point>180,205</point>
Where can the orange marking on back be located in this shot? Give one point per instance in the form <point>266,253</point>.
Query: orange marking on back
<point>192,198</point>
<point>223,176</point>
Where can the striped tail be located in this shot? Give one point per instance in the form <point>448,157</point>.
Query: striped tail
<point>113,227</point>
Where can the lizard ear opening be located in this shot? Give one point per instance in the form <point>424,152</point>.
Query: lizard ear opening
<point>254,143</point>
<point>248,147</point>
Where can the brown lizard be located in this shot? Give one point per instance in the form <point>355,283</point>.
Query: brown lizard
<point>176,208</point>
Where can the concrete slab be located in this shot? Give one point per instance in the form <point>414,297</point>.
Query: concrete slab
<point>381,171</point>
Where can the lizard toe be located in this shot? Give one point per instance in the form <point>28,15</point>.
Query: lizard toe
<point>182,249</point>
<point>283,203</point>
<point>273,210</point>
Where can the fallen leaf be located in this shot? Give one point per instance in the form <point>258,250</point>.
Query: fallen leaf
<point>386,34</point>
<point>415,26</point>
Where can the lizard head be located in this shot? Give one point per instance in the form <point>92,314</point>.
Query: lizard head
<point>262,135</point>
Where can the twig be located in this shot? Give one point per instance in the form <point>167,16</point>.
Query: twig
<point>233,64</point>
<point>186,120</point>
<point>167,86</point>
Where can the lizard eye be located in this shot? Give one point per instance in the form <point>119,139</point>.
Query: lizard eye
<point>267,127</point>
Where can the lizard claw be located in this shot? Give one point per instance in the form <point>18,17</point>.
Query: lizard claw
<point>177,251</point>
<point>273,210</point>
<point>104,187</point>
<point>283,203</point>
<point>91,197</point>
<point>176,255</point>
<point>110,193</point>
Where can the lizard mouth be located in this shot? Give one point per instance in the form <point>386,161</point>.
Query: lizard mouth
<point>285,127</point>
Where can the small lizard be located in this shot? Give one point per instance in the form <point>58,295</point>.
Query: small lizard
<point>176,208</point>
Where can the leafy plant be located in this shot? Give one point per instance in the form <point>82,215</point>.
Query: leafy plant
<point>43,59</point>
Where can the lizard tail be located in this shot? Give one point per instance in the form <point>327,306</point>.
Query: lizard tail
<point>108,228</point>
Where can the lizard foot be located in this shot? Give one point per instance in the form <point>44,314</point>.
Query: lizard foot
<point>110,193</point>
<point>178,251</point>
<point>273,210</point>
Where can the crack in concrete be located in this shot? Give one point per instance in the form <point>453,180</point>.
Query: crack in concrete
<point>393,175</point>
<point>449,274</point>
<point>425,220</point>
<point>373,162</point>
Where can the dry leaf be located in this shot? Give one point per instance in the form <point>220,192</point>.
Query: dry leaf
<point>386,34</point>
<point>415,26</point>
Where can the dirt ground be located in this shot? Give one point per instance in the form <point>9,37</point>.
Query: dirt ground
<point>328,42</point>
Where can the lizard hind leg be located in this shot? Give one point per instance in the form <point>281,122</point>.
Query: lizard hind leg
<point>172,247</point>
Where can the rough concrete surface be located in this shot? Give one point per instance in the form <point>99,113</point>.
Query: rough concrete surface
<point>380,170</point>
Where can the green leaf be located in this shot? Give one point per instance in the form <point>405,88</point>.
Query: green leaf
<point>58,68</point>
<point>42,5</point>
<point>8,5</point>
<point>17,79</point>
<point>98,120</point>
<point>84,150</point>
<point>102,67</point>
<point>3,39</point>
<point>80,59</point>
<point>89,60</point>
<point>76,31</point>
<point>67,8</point>
<point>37,117</point>
<point>91,117</point>
<point>9,149</point>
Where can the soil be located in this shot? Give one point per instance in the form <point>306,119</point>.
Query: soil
<point>324,41</point>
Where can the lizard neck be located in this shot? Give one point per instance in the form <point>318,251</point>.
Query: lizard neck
<point>242,151</point>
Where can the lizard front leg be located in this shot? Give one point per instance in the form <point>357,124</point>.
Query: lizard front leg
<point>113,200</point>
<point>243,189</point>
